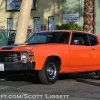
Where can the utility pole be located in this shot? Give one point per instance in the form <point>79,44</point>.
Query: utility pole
<point>23,20</point>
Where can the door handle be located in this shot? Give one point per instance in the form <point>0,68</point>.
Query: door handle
<point>92,48</point>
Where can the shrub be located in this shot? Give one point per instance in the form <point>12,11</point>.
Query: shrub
<point>69,26</point>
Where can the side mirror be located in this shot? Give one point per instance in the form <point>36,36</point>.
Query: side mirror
<point>76,42</point>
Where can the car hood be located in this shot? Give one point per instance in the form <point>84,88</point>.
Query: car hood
<point>23,47</point>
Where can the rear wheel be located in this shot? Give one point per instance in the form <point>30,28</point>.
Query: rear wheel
<point>50,71</point>
<point>98,74</point>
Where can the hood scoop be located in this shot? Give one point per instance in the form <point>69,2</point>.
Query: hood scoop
<point>8,47</point>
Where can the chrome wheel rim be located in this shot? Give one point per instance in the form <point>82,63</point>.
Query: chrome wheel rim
<point>51,71</point>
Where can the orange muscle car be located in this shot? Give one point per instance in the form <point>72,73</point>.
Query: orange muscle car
<point>52,52</point>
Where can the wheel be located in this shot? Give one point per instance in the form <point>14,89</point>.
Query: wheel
<point>98,74</point>
<point>50,71</point>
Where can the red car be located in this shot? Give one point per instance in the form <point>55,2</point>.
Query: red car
<point>52,52</point>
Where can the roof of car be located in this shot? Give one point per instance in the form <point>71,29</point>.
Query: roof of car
<point>68,31</point>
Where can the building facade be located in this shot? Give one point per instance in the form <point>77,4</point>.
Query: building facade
<point>97,17</point>
<point>45,14</point>
<point>74,9</point>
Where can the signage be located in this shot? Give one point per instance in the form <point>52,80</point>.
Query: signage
<point>43,27</point>
<point>70,18</point>
<point>1,67</point>
<point>2,27</point>
<point>29,28</point>
<point>13,5</point>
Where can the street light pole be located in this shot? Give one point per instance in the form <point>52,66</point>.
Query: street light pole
<point>23,20</point>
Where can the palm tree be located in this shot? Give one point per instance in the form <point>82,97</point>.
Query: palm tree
<point>23,21</point>
<point>89,18</point>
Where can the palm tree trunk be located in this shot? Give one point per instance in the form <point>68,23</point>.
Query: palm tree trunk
<point>23,21</point>
<point>89,18</point>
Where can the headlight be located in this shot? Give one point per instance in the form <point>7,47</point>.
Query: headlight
<point>24,57</point>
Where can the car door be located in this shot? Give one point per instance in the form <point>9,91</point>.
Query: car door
<point>82,56</point>
<point>95,47</point>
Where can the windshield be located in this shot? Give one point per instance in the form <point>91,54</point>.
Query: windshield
<point>49,37</point>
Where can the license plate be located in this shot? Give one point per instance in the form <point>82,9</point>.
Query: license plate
<point>1,67</point>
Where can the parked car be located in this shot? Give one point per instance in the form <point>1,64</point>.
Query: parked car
<point>53,52</point>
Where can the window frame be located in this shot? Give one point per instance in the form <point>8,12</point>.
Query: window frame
<point>81,33</point>
<point>36,24</point>
<point>12,9</point>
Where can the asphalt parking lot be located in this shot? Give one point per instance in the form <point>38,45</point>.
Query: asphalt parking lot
<point>72,87</point>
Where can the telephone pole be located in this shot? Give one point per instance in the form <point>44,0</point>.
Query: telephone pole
<point>23,20</point>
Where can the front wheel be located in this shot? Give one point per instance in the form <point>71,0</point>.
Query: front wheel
<point>50,71</point>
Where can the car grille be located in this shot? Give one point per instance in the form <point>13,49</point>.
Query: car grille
<point>10,56</point>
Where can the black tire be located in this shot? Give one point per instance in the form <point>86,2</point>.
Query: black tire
<point>98,74</point>
<point>50,71</point>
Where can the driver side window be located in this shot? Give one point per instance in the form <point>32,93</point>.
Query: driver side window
<point>79,39</point>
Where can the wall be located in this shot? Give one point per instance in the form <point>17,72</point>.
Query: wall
<point>44,9</point>
<point>74,7</point>
<point>97,17</point>
<point>77,6</point>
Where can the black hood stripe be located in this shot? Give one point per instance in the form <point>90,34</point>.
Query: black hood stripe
<point>8,47</point>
